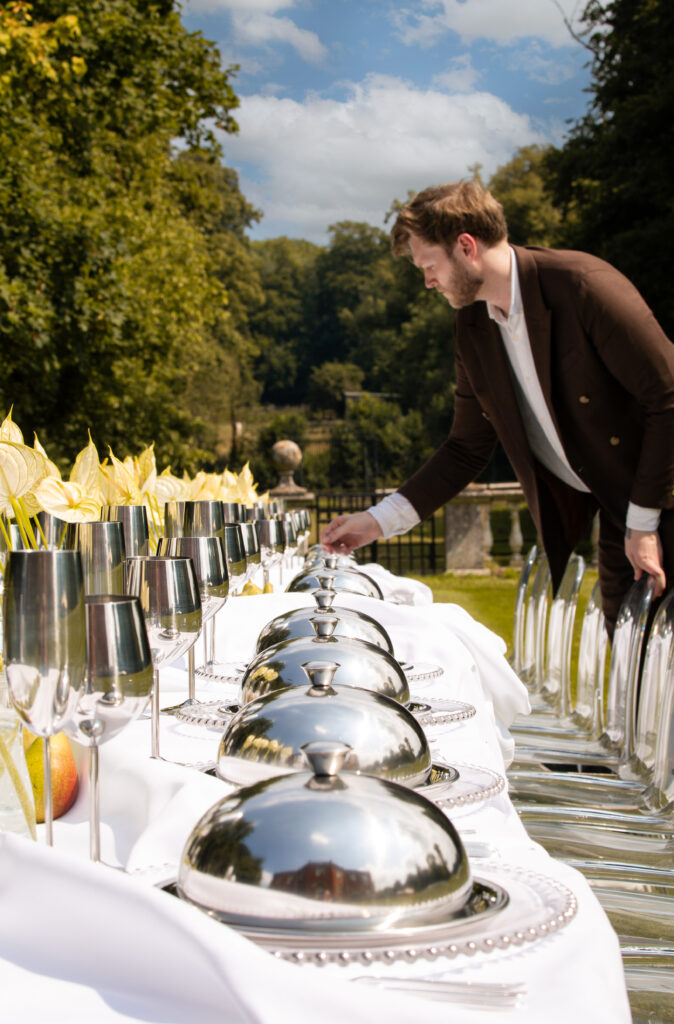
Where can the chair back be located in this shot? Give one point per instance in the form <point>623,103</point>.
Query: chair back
<point>628,640</point>
<point>523,584</point>
<point>557,680</point>
<point>533,666</point>
<point>660,794</point>
<point>589,709</point>
<point>653,682</point>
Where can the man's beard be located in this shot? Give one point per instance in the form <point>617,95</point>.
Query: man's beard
<point>464,287</point>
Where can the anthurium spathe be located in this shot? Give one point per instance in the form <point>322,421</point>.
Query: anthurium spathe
<point>21,470</point>
<point>9,430</point>
<point>51,467</point>
<point>123,488</point>
<point>86,471</point>
<point>67,500</point>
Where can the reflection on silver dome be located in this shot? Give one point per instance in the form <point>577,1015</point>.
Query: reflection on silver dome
<point>292,625</point>
<point>267,735</point>
<point>328,851</point>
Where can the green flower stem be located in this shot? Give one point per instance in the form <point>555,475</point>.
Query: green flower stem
<point>25,803</point>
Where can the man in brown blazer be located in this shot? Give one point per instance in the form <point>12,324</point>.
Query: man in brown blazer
<point>559,358</point>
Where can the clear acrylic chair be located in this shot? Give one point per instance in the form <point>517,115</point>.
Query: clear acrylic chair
<point>516,659</point>
<point>643,838</point>
<point>615,745</point>
<point>630,790</point>
<point>555,713</point>
<point>535,622</point>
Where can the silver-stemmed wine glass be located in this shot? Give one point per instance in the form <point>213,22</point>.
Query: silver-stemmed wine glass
<point>45,646</point>
<point>272,541</point>
<point>135,527</point>
<point>251,545</point>
<point>210,567</point>
<point>169,596</point>
<point>101,546</point>
<point>205,518</point>
<point>117,688</point>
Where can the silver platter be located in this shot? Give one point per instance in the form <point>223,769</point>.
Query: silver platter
<point>458,785</point>
<point>432,711</point>
<point>507,910</point>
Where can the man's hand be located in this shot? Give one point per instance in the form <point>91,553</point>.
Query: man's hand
<point>345,533</point>
<point>644,551</point>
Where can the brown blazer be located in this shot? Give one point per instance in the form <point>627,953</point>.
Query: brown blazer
<point>607,373</point>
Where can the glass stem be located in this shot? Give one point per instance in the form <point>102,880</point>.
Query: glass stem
<point>155,712</point>
<point>211,654</point>
<point>94,805</point>
<point>48,802</point>
<point>191,681</point>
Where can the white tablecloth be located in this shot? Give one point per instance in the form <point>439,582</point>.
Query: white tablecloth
<point>83,942</point>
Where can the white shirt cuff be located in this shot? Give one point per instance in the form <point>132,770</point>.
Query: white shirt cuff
<point>395,514</point>
<point>639,518</point>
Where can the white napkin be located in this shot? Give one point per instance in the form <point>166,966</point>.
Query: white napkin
<point>398,589</point>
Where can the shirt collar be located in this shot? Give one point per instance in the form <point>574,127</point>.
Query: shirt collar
<point>515,295</point>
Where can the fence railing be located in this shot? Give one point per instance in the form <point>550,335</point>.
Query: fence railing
<point>484,524</point>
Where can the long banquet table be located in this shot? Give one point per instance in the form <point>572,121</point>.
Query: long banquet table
<point>90,942</point>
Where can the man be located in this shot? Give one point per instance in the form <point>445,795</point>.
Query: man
<point>559,358</point>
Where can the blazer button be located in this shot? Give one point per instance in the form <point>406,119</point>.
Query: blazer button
<point>583,399</point>
<point>615,440</point>
<point>486,417</point>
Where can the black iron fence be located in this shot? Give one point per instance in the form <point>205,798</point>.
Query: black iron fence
<point>420,551</point>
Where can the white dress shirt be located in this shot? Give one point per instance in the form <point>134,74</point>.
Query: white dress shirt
<point>395,514</point>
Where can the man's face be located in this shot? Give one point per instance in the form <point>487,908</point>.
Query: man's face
<point>451,275</point>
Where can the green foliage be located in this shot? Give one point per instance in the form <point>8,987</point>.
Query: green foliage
<point>327,384</point>
<point>613,176</point>
<point>108,302</point>
<point>520,185</point>
<point>375,444</point>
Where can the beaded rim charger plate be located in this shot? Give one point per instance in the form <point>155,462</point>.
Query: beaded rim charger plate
<point>509,908</point>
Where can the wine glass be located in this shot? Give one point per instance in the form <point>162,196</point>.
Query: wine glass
<point>101,546</point>
<point>235,556</point>
<point>205,519</point>
<point>271,538</point>
<point>51,532</point>
<point>117,687</point>
<point>210,567</point>
<point>289,541</point>
<point>174,513</point>
<point>45,646</point>
<point>169,596</point>
<point>234,511</point>
<point>251,545</point>
<point>135,526</point>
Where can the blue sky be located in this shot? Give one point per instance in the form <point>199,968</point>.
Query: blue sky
<point>347,105</point>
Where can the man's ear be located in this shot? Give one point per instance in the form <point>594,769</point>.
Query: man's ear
<point>467,245</point>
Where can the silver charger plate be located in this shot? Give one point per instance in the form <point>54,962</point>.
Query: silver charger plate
<point>421,670</point>
<point>435,711</point>
<point>510,907</point>
<point>222,671</point>
<point>213,714</point>
<point>458,785</point>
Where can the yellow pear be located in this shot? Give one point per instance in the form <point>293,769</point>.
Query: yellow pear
<point>64,780</point>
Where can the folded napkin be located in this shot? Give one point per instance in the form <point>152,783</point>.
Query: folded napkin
<point>398,589</point>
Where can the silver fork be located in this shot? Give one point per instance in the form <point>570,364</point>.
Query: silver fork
<point>486,995</point>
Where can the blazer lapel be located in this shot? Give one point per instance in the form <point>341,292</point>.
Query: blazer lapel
<point>538,318</point>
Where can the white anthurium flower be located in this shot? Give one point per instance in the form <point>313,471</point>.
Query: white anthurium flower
<point>168,487</point>
<point>52,468</point>
<point>86,470</point>
<point>21,468</point>
<point>9,430</point>
<point>126,491</point>
<point>67,500</point>
<point>146,470</point>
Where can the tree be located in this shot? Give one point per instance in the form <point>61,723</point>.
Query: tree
<point>521,187</point>
<point>613,176</point>
<point>327,384</point>
<point>107,304</point>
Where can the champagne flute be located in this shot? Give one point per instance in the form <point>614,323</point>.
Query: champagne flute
<point>271,538</point>
<point>101,546</point>
<point>45,646</point>
<point>251,545</point>
<point>135,526</point>
<point>205,519</point>
<point>169,596</point>
<point>210,567</point>
<point>117,687</point>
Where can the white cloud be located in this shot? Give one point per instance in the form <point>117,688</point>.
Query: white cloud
<point>460,76</point>
<point>501,21</point>
<point>542,69</point>
<point>259,28</point>
<point>325,160</point>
